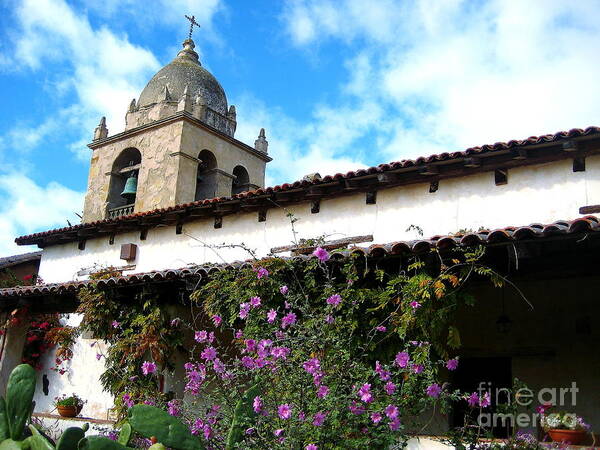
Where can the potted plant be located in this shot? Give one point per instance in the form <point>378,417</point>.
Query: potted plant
<point>565,427</point>
<point>69,406</point>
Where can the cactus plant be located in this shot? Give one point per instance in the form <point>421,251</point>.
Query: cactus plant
<point>242,415</point>
<point>19,395</point>
<point>70,438</point>
<point>170,431</point>
<point>125,434</point>
<point>36,441</point>
<point>99,443</point>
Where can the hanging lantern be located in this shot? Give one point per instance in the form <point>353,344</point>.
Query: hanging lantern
<point>130,188</point>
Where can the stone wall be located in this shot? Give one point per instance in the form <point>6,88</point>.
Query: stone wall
<point>169,166</point>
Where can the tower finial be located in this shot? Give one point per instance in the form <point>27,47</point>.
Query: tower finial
<point>192,23</point>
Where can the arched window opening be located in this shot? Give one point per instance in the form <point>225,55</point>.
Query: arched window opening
<point>123,183</point>
<point>241,180</point>
<point>206,180</point>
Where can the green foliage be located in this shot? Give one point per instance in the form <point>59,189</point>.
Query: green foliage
<point>150,421</point>
<point>125,434</point>
<point>38,442</point>
<point>99,443</point>
<point>242,417</point>
<point>70,438</point>
<point>143,333</point>
<point>19,397</point>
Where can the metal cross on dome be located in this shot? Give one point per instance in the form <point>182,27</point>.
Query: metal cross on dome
<point>192,23</point>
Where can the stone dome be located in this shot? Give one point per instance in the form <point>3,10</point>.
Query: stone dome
<point>185,70</point>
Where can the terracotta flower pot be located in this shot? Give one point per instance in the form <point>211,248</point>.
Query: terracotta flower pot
<point>68,411</point>
<point>573,437</point>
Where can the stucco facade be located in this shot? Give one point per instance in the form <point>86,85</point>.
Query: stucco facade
<point>533,194</point>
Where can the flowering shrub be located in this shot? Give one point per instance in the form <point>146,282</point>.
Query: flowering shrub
<point>340,352</point>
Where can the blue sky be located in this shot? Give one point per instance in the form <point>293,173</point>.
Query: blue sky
<point>338,84</point>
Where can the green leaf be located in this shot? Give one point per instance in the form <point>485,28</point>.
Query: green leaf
<point>19,395</point>
<point>150,421</point>
<point>453,337</point>
<point>99,443</point>
<point>4,428</point>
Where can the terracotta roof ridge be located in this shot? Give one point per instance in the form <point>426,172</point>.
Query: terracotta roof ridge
<point>374,170</point>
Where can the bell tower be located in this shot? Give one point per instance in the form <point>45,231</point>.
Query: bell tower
<point>178,146</point>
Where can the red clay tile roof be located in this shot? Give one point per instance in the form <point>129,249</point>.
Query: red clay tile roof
<point>536,231</point>
<point>262,198</point>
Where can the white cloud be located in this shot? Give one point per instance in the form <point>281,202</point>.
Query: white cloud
<point>26,207</point>
<point>452,74</point>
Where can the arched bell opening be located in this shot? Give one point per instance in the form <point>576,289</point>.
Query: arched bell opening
<point>123,183</point>
<point>206,178</point>
<point>241,180</point>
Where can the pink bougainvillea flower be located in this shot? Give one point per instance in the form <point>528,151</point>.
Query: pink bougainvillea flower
<point>391,411</point>
<point>250,345</point>
<point>312,366</point>
<point>301,416</point>
<point>434,390</point>
<point>174,408</point>
<point>262,273</point>
<point>365,393</point>
<point>209,353</point>
<point>473,400</point>
<point>321,253</point>
<point>280,352</point>
<point>115,324</point>
<point>148,367</point>
<point>356,408</point>
<point>390,388</point>
<point>452,364</point>
<point>201,336</point>
<point>415,305</point>
<point>255,302</point>
<point>329,319</point>
<point>311,447</point>
<point>417,368</point>
<point>217,320</point>
<point>376,417</point>
<point>381,329</point>
<point>284,290</point>
<point>257,405</point>
<point>244,310</point>
<point>288,319</point>
<point>485,401</point>
<point>239,334</point>
<point>384,375</point>
<point>218,366</point>
<point>334,300</point>
<point>278,432</point>
<point>271,316</point>
<point>402,359</point>
<point>394,424</point>
<point>322,391</point>
<point>127,401</point>
<point>284,411</point>
<point>319,418</point>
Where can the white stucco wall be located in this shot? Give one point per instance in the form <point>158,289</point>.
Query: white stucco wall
<point>542,193</point>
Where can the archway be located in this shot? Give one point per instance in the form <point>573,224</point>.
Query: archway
<point>125,167</point>
<point>241,181</point>
<point>206,176</point>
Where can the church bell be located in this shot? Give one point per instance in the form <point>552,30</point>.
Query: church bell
<point>130,188</point>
